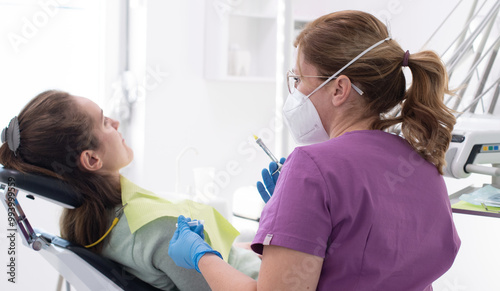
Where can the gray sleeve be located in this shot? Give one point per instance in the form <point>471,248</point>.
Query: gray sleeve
<point>154,241</point>
<point>245,261</point>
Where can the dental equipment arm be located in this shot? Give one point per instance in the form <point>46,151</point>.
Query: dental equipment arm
<point>474,145</point>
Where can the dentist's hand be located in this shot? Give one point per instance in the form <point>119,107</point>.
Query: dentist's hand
<point>187,247</point>
<point>270,180</point>
<point>198,229</point>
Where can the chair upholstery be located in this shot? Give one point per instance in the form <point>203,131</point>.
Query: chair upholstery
<point>69,259</point>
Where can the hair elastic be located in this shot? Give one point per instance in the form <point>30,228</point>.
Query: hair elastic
<point>11,135</point>
<point>406,58</point>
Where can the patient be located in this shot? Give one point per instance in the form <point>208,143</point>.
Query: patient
<point>68,137</point>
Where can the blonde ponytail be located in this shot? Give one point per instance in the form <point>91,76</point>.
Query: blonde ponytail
<point>426,121</point>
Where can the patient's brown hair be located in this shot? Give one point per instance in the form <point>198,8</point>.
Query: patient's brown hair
<point>54,132</point>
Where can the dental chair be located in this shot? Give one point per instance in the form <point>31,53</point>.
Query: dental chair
<point>81,268</point>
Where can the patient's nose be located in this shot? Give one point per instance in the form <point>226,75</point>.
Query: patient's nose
<point>115,123</point>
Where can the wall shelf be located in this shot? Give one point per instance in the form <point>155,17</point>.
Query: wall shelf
<point>241,42</point>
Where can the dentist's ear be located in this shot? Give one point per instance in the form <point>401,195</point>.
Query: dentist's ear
<point>90,160</point>
<point>341,90</point>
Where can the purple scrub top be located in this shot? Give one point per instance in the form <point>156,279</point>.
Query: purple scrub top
<point>373,208</point>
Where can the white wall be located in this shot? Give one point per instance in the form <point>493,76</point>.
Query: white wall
<point>218,118</point>
<point>183,109</point>
<point>69,45</point>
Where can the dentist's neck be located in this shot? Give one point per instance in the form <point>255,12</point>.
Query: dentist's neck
<point>348,124</point>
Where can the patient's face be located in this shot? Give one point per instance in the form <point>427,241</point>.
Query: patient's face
<point>113,150</point>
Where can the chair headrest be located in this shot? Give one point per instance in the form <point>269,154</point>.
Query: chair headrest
<point>43,186</point>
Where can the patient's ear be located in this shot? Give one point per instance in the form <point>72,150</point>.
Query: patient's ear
<point>90,160</point>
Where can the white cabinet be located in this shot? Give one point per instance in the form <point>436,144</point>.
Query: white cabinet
<point>241,40</point>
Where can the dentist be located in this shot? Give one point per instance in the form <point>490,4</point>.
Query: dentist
<point>358,208</point>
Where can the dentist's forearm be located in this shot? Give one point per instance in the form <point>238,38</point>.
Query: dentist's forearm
<point>222,276</point>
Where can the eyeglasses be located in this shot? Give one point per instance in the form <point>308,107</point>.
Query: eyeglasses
<point>293,81</point>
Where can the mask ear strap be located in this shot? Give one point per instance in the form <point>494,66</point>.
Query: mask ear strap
<point>348,64</point>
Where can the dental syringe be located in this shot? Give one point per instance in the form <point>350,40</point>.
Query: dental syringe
<point>194,222</point>
<point>268,152</point>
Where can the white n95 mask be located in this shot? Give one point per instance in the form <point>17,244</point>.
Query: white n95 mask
<point>303,119</point>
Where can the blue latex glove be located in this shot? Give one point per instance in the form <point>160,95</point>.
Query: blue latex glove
<point>198,229</point>
<point>269,180</point>
<point>187,247</point>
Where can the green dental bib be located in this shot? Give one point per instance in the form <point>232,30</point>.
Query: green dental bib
<point>144,206</point>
